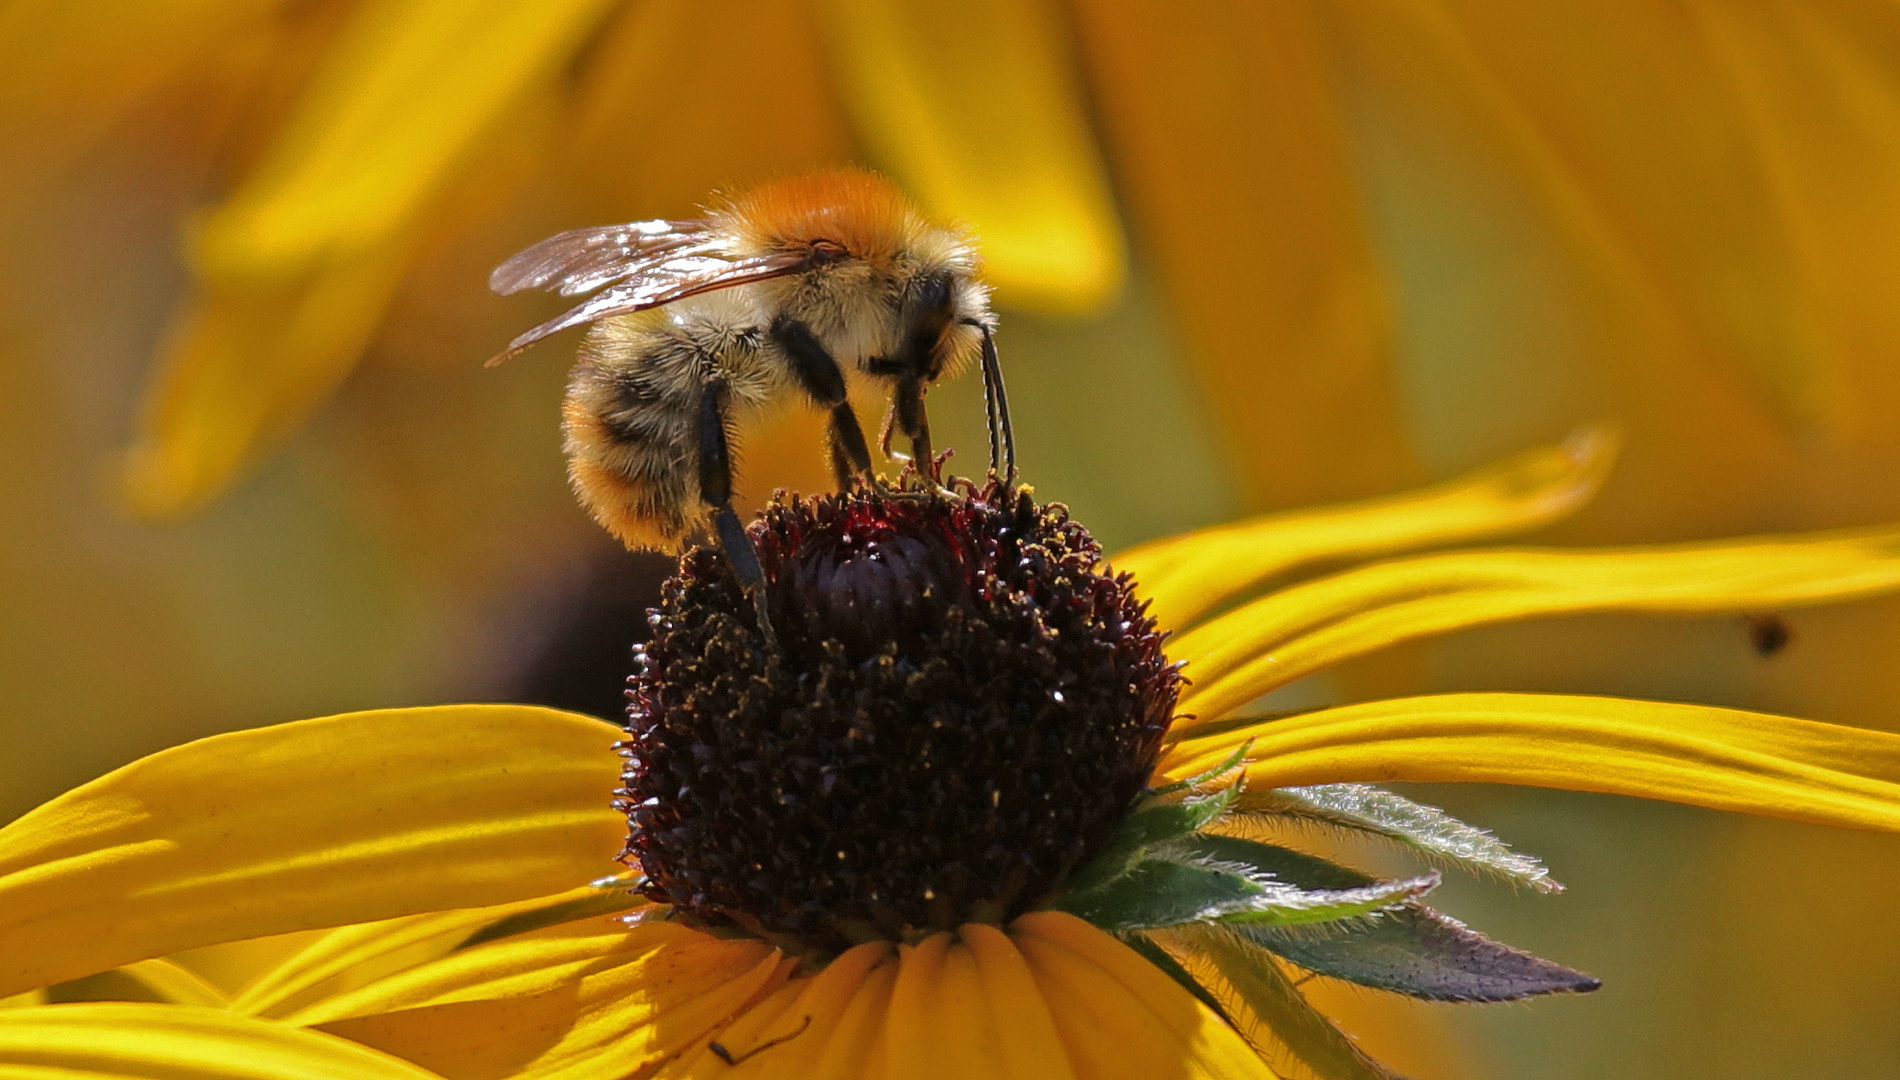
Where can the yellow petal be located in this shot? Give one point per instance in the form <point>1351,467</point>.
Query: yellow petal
<point>1724,759</point>
<point>594,1007</point>
<point>316,823</point>
<point>1281,637</point>
<point>976,108</point>
<point>944,1023</point>
<point>244,364</point>
<point>1186,576</point>
<point>179,1043</point>
<point>1231,149</point>
<point>404,89</point>
<point>507,969</point>
<point>1025,1030</point>
<point>771,111</point>
<point>788,1034</point>
<point>855,1049</point>
<point>1119,1015</point>
<point>159,981</point>
<point>351,948</point>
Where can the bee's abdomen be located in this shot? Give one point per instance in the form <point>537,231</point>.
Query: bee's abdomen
<point>632,402</point>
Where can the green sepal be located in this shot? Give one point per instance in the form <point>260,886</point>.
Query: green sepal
<point>1201,878</point>
<point>1151,825</point>
<point>1155,894</point>
<point>1427,830</point>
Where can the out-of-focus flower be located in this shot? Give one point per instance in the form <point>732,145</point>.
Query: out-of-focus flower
<point>450,847</point>
<point>1683,176</point>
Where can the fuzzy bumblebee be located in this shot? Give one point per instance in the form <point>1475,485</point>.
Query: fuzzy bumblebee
<point>776,294</point>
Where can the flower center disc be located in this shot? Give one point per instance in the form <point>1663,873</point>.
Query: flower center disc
<point>962,706</point>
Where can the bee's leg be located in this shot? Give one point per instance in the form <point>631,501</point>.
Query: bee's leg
<point>996,402</point>
<point>818,373</point>
<point>907,412</point>
<point>715,489</point>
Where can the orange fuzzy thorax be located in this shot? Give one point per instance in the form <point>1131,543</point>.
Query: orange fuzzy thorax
<point>861,211</point>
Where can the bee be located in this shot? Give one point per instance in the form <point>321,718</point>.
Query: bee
<point>775,295</point>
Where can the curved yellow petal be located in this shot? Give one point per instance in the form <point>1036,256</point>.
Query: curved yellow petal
<point>789,1034</point>
<point>352,948</point>
<point>175,983</point>
<point>315,823</point>
<point>297,266</point>
<point>1186,576</point>
<point>591,1007</point>
<point>404,89</point>
<point>977,109</point>
<point>1724,759</point>
<point>171,1042</point>
<point>1230,143</point>
<point>244,363</point>
<point>772,110</point>
<point>1278,638</point>
<point>1025,1029</point>
<point>855,1049</point>
<point>1119,1015</point>
<point>965,1005</point>
<point>509,968</point>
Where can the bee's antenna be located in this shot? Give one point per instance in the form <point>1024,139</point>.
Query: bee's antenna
<point>996,403</point>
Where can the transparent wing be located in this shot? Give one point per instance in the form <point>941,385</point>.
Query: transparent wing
<point>582,260</point>
<point>661,281</point>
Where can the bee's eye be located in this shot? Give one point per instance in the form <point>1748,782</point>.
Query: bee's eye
<point>828,251</point>
<point>933,294</point>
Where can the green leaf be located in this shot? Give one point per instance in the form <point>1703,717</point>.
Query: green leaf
<point>1155,894</point>
<point>1198,878</point>
<point>1419,952</point>
<point>1150,825</point>
<point>1425,829</point>
<point>1295,1038</point>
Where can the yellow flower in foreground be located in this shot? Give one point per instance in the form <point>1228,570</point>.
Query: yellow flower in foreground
<point>450,848</point>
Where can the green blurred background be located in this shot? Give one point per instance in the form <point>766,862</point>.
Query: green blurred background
<point>1248,256</point>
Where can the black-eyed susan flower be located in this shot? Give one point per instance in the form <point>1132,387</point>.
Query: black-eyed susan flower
<point>968,819</point>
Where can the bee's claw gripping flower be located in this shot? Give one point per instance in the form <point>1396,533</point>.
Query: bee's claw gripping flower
<point>963,709</point>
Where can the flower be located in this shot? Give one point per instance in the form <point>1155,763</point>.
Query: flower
<point>371,136</point>
<point>450,847</point>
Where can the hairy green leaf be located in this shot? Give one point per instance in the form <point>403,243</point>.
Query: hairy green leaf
<point>1428,830</point>
<point>1419,952</point>
<point>1200,877</point>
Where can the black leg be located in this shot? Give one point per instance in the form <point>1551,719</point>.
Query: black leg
<point>849,456</point>
<point>819,374</point>
<point>715,489</point>
<point>907,410</point>
<point>996,401</point>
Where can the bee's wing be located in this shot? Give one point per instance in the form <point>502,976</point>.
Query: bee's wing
<point>582,260</point>
<point>661,281</point>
